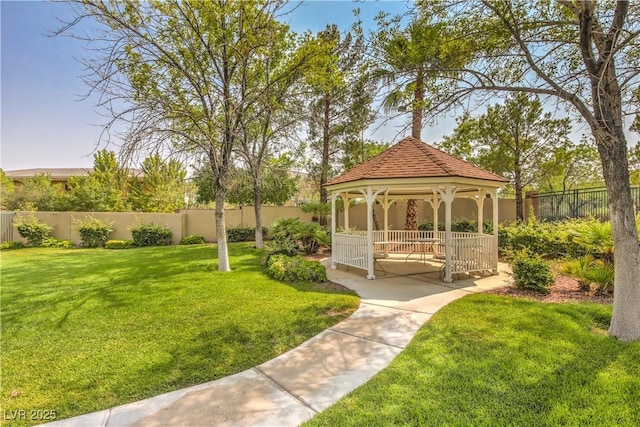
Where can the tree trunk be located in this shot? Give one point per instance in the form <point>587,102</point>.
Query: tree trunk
<point>607,128</point>
<point>257,207</point>
<point>518,188</point>
<point>411,222</point>
<point>411,216</point>
<point>221,233</point>
<point>625,321</point>
<point>324,172</point>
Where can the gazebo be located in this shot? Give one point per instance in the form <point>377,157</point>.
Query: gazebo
<point>412,169</point>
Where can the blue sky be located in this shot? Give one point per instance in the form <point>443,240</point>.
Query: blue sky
<point>45,122</point>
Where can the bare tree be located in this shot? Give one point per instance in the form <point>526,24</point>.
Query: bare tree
<point>176,72</point>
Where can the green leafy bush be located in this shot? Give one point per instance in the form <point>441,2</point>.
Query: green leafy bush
<point>243,234</point>
<point>310,236</point>
<point>602,274</point>
<point>93,232</point>
<point>595,237</point>
<point>281,245</point>
<point>462,225</point>
<point>32,229</point>
<point>284,227</point>
<point>11,245</point>
<point>119,244</point>
<point>192,240</point>
<point>552,240</point>
<point>55,243</point>
<point>530,271</point>
<point>578,268</point>
<point>296,269</point>
<point>428,226</point>
<point>316,209</point>
<point>590,272</point>
<point>151,235</point>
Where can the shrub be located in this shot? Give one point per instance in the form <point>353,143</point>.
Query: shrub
<point>462,225</point>
<point>32,229</point>
<point>316,209</point>
<point>428,226</point>
<point>282,246</point>
<point>55,243</point>
<point>119,244</point>
<point>11,245</point>
<point>151,235</point>
<point>311,236</point>
<point>244,234</point>
<point>296,269</point>
<point>602,274</point>
<point>530,271</point>
<point>192,240</point>
<point>590,271</point>
<point>284,227</point>
<point>93,232</point>
<point>595,237</point>
<point>578,268</point>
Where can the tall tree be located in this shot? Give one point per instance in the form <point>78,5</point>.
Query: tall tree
<point>407,57</point>
<point>584,54</point>
<point>272,108</point>
<point>7,190</point>
<point>577,166</point>
<point>104,189</point>
<point>517,140</point>
<point>161,188</point>
<point>340,99</point>
<point>276,185</point>
<point>35,194</point>
<point>176,71</point>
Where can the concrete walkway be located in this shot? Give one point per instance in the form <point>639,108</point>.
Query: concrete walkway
<point>293,387</point>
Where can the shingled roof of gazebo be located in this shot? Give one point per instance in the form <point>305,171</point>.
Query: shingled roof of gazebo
<point>412,158</point>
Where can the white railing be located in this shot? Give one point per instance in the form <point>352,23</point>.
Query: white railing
<point>472,253</point>
<point>469,251</point>
<point>350,249</point>
<point>401,241</point>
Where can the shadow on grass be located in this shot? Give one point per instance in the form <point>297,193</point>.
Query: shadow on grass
<point>488,360</point>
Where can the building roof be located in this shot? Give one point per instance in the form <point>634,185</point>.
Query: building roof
<point>56,173</point>
<point>412,158</point>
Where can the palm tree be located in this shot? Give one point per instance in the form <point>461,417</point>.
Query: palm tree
<point>409,58</point>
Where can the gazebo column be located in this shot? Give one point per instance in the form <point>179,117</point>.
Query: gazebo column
<point>480,205</point>
<point>386,204</point>
<point>345,202</point>
<point>494,197</point>
<point>435,205</point>
<point>447,197</point>
<point>370,198</point>
<point>333,228</point>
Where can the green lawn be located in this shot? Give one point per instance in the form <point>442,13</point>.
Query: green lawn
<point>84,330</point>
<point>488,360</point>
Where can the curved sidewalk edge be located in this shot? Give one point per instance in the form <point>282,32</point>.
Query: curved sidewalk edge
<point>293,387</point>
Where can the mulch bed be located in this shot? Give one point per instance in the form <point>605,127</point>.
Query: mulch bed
<point>563,290</point>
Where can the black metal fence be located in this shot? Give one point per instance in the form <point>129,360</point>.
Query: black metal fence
<point>579,203</point>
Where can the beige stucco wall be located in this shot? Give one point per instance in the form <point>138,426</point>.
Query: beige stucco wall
<point>202,222</point>
<point>184,223</point>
